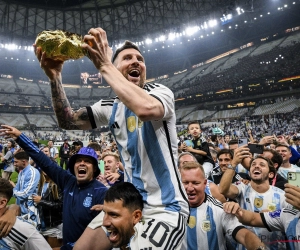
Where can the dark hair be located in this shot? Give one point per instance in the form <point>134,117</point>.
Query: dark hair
<point>193,122</point>
<point>233,142</point>
<point>270,163</point>
<point>225,151</point>
<point>95,146</point>
<point>22,155</point>
<point>6,189</point>
<point>126,45</point>
<point>276,158</point>
<point>12,141</point>
<point>126,192</point>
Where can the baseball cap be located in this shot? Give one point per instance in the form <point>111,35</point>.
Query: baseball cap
<point>86,152</point>
<point>76,143</point>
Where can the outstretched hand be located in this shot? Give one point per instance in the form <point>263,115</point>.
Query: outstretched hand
<point>97,46</point>
<point>9,132</point>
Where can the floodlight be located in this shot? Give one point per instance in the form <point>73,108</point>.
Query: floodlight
<point>171,36</point>
<point>191,30</point>
<point>148,41</point>
<point>212,23</point>
<point>238,10</point>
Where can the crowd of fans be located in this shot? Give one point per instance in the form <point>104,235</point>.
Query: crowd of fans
<point>215,159</point>
<point>278,63</point>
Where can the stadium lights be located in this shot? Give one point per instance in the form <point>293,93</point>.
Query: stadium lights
<point>239,11</point>
<point>191,30</point>
<point>212,23</point>
<point>171,36</point>
<point>148,41</point>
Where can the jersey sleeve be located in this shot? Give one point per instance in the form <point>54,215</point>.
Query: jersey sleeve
<point>273,221</point>
<point>31,181</point>
<point>36,241</point>
<point>165,96</point>
<point>231,225</point>
<point>99,113</point>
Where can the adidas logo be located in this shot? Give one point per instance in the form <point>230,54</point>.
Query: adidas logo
<point>115,125</point>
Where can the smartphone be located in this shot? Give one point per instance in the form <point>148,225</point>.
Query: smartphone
<point>256,148</point>
<point>242,141</point>
<point>294,178</point>
<point>267,133</point>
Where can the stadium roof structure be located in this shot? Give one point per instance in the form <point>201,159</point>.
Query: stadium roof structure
<point>122,19</point>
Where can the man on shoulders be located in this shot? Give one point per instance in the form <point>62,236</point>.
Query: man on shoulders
<point>142,120</point>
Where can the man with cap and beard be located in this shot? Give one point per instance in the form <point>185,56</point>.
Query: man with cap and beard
<point>83,194</point>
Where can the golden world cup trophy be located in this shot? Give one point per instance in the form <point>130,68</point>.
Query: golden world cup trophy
<point>60,45</point>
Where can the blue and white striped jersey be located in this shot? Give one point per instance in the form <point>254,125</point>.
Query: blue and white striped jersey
<point>209,226</point>
<point>271,200</point>
<point>286,220</point>
<point>284,171</point>
<point>148,150</point>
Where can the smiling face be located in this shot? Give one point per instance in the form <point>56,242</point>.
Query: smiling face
<point>84,169</point>
<point>194,130</point>
<point>194,183</point>
<point>284,152</point>
<point>119,222</point>
<point>111,165</point>
<point>224,161</point>
<point>131,64</point>
<point>259,171</point>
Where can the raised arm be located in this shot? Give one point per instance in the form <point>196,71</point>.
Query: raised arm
<point>226,188</point>
<point>145,106</point>
<point>66,117</point>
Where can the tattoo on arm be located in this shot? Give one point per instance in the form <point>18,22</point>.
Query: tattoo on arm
<point>66,117</point>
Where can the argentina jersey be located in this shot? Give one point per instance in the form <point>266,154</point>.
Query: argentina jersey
<point>209,226</point>
<point>286,220</point>
<point>271,200</point>
<point>148,150</point>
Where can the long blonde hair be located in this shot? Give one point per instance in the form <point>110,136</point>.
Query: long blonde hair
<point>52,186</point>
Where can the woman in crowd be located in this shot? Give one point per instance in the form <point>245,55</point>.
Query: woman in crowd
<point>49,203</point>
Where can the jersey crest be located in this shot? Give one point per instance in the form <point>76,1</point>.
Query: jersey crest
<point>271,206</point>
<point>131,123</point>
<point>192,221</point>
<point>258,202</point>
<point>206,225</point>
<point>87,201</point>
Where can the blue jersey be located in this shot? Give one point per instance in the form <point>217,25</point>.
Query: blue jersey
<point>209,226</point>
<point>286,220</point>
<point>77,200</point>
<point>148,150</point>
